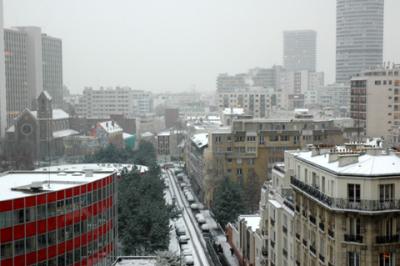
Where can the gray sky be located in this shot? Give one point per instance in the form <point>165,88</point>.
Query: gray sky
<point>181,44</point>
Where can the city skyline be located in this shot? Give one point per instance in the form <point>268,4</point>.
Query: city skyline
<point>195,39</point>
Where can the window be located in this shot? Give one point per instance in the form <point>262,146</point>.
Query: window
<point>323,184</point>
<point>387,259</point>
<point>239,171</point>
<point>354,226</point>
<point>386,192</point>
<point>274,138</point>
<point>261,139</point>
<point>284,138</point>
<point>6,250</point>
<point>251,138</point>
<point>353,259</point>
<point>19,247</point>
<point>353,192</point>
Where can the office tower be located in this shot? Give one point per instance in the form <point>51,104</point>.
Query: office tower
<point>3,93</point>
<point>359,36</point>
<point>52,68</point>
<point>299,50</point>
<point>375,100</point>
<point>33,61</point>
<point>15,43</point>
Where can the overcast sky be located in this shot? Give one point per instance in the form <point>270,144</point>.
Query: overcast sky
<point>177,45</point>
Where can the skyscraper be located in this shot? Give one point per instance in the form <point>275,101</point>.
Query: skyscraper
<point>299,50</point>
<point>15,43</point>
<point>52,68</point>
<point>3,108</point>
<point>359,36</point>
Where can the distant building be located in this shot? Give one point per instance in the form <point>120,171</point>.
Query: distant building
<point>375,100</point>
<point>226,82</point>
<point>254,101</point>
<point>171,117</point>
<point>3,93</point>
<point>359,36</point>
<point>300,50</point>
<point>168,145</point>
<point>47,218</point>
<point>109,133</point>
<point>337,96</point>
<point>103,102</point>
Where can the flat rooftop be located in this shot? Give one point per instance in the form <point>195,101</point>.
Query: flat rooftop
<point>135,261</point>
<point>18,184</point>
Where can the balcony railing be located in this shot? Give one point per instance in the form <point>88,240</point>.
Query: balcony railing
<point>322,227</point>
<point>340,203</point>
<point>289,204</point>
<point>388,239</point>
<point>313,219</point>
<point>321,258</point>
<point>353,238</point>
<point>264,251</point>
<point>312,249</point>
<point>331,233</point>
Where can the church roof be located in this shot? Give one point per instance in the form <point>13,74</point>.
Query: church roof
<point>57,114</point>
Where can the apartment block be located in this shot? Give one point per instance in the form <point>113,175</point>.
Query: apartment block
<point>254,101</point>
<point>375,100</point>
<point>103,102</point>
<point>3,93</point>
<point>247,152</point>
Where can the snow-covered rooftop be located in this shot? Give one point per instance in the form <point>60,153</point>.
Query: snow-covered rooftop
<point>233,111</point>
<point>367,165</point>
<point>200,140</point>
<point>58,181</point>
<point>64,133</point>
<point>111,127</point>
<point>58,114</point>
<point>252,221</point>
<point>95,167</point>
<point>126,135</point>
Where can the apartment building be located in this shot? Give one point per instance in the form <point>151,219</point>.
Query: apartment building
<point>375,100</point>
<point>3,93</point>
<point>246,152</point>
<point>254,101</point>
<point>103,102</point>
<point>347,211</point>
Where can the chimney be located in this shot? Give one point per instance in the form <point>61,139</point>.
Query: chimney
<point>315,151</point>
<point>347,159</point>
<point>333,157</point>
<point>374,151</point>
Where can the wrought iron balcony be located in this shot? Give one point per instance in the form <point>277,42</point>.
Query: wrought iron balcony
<point>353,238</point>
<point>388,239</point>
<point>340,203</point>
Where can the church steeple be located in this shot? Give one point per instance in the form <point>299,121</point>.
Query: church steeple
<point>45,109</point>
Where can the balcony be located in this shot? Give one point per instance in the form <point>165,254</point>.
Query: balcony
<point>321,258</point>
<point>272,244</point>
<point>387,239</point>
<point>312,249</point>
<point>298,208</point>
<point>313,220</point>
<point>264,251</point>
<point>343,204</point>
<point>304,242</point>
<point>353,238</point>
<point>331,233</point>
<point>304,212</point>
<point>284,251</point>
<point>272,222</point>
<point>288,204</point>
<point>284,229</point>
<point>322,227</point>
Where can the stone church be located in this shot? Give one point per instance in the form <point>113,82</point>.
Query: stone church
<point>39,134</point>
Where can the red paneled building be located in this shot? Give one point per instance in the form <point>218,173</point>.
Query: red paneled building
<point>58,218</point>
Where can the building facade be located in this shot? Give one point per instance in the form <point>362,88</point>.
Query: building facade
<point>58,218</point>
<point>359,36</point>
<point>300,50</point>
<point>3,90</point>
<point>346,208</point>
<point>375,100</point>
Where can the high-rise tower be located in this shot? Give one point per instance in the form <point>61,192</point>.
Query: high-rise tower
<point>3,95</point>
<point>299,50</point>
<point>359,36</point>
